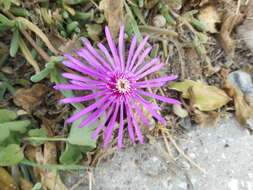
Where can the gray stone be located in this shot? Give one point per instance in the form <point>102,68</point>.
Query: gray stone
<point>225,151</point>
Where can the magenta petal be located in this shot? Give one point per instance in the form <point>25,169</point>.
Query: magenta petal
<point>95,53</point>
<point>140,113</point>
<point>135,123</point>
<point>121,125</point>
<point>109,129</point>
<point>81,78</point>
<point>68,87</point>
<point>100,127</point>
<point>141,59</point>
<point>107,54</point>
<point>112,47</point>
<point>121,47</point>
<point>93,117</point>
<point>153,112</point>
<point>162,98</point>
<point>138,51</point>
<point>131,52</point>
<point>129,124</point>
<point>86,110</point>
<point>82,98</point>
<point>147,66</point>
<point>161,79</point>
<point>149,71</point>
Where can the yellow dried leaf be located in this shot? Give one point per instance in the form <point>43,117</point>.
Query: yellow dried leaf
<point>28,55</point>
<point>209,16</point>
<point>203,97</point>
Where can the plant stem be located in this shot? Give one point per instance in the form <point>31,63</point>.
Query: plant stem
<point>45,139</point>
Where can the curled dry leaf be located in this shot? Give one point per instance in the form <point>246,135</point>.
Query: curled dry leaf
<point>230,21</point>
<point>201,96</point>
<point>6,181</point>
<point>29,99</point>
<point>113,11</point>
<point>210,17</point>
<point>239,86</point>
<point>206,119</point>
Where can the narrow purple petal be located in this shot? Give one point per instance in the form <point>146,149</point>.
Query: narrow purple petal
<point>87,86</point>
<point>111,125</point>
<point>91,60</point>
<point>153,69</point>
<point>141,59</point>
<point>161,79</point>
<point>82,70</point>
<point>135,123</point>
<point>146,102</point>
<point>95,53</point>
<point>81,78</point>
<point>121,125</point>
<point>131,52</point>
<point>95,115</point>
<point>107,54</point>
<point>140,113</point>
<point>112,47</point>
<point>121,47</point>
<point>100,127</point>
<point>153,112</point>
<point>68,87</point>
<point>149,85</point>
<point>83,98</point>
<point>86,110</point>
<point>138,51</point>
<point>147,66</point>
<point>162,98</point>
<point>129,124</point>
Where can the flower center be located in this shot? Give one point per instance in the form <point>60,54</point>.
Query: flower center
<point>123,85</point>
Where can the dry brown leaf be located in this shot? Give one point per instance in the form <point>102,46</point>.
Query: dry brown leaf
<point>230,21</point>
<point>209,17</point>
<point>29,99</point>
<point>48,177</point>
<point>113,11</point>
<point>71,45</point>
<point>243,111</point>
<point>206,119</point>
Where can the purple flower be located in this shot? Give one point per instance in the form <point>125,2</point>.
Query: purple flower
<point>117,81</point>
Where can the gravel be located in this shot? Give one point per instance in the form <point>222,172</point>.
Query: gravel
<point>225,152</point>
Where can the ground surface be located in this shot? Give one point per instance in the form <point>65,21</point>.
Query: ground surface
<point>225,152</point>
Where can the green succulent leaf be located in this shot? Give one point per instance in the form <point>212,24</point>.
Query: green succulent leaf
<point>71,155</point>
<point>14,43</point>
<point>11,155</point>
<point>7,115</point>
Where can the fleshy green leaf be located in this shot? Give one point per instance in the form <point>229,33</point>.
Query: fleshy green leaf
<point>37,133</point>
<point>11,155</point>
<point>7,115</point>
<point>82,136</point>
<point>71,155</point>
<point>40,76</point>
<point>14,43</point>
<point>18,126</point>
<point>4,133</point>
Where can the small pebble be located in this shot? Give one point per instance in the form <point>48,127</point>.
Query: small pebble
<point>159,21</point>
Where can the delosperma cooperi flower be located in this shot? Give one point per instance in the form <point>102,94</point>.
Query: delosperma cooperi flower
<point>116,80</point>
